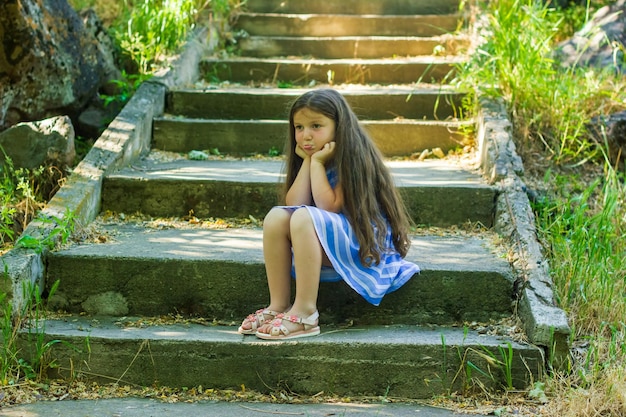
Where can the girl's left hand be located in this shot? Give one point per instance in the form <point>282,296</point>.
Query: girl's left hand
<point>325,153</point>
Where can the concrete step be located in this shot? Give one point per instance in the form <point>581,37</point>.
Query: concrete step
<point>300,71</point>
<point>364,47</point>
<point>369,103</point>
<point>157,268</point>
<point>364,7</point>
<point>437,193</point>
<point>246,137</point>
<point>280,24</point>
<point>387,361</point>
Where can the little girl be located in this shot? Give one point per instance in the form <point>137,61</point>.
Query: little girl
<point>343,219</point>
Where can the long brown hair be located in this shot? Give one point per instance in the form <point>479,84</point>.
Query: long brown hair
<point>370,195</point>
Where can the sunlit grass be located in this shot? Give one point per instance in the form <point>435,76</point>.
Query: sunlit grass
<point>550,106</point>
<point>586,231</point>
<point>153,28</point>
<point>148,31</point>
<point>581,221</point>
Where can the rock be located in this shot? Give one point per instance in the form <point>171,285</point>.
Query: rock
<point>600,43</point>
<point>49,63</point>
<point>106,304</point>
<point>96,30</point>
<point>32,144</point>
<point>95,118</point>
<point>438,152</point>
<point>198,155</point>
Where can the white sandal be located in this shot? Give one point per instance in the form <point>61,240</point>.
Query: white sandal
<point>256,320</point>
<point>278,331</point>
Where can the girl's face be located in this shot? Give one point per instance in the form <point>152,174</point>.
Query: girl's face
<point>313,130</point>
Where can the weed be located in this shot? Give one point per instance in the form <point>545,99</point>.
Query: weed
<point>580,223</point>
<point>125,87</point>
<point>61,232</point>
<point>444,363</point>
<point>584,230</point>
<point>22,194</point>
<point>274,151</point>
<point>550,105</point>
<point>154,28</point>
<point>507,364</point>
<point>25,352</point>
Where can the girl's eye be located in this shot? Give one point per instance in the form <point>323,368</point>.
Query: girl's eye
<point>298,127</point>
<point>316,126</point>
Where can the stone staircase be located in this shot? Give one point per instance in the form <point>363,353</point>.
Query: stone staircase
<point>160,300</point>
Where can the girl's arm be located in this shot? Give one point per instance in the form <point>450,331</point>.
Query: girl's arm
<point>325,197</point>
<point>300,191</point>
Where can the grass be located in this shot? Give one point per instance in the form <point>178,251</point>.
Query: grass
<point>549,106</point>
<point>147,32</point>
<point>24,350</point>
<point>581,216</point>
<point>153,29</point>
<point>23,192</point>
<point>585,236</point>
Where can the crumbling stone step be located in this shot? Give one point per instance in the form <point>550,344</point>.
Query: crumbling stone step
<point>279,24</point>
<point>437,193</point>
<point>245,137</point>
<point>365,7</point>
<point>300,71</point>
<point>220,274</point>
<point>353,46</point>
<point>369,103</point>
<point>391,361</point>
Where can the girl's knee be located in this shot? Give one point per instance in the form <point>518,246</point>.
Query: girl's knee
<point>277,218</point>
<point>301,220</point>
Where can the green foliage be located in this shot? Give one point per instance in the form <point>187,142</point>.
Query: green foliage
<point>583,230</point>
<point>580,222</point>
<point>223,8</point>
<point>274,151</point>
<point>20,195</point>
<point>550,105</point>
<point>126,88</point>
<point>25,352</point>
<point>60,233</point>
<point>583,227</point>
<point>154,28</point>
<point>573,17</point>
<point>7,211</point>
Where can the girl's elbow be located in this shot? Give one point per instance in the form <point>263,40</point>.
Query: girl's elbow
<point>336,207</point>
<point>329,206</point>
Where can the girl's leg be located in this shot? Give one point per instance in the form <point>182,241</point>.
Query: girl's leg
<point>307,257</point>
<point>277,254</point>
<point>307,254</point>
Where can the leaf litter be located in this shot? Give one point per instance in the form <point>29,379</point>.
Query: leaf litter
<point>508,403</point>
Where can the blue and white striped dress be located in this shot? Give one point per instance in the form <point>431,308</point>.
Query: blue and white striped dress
<point>342,248</point>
